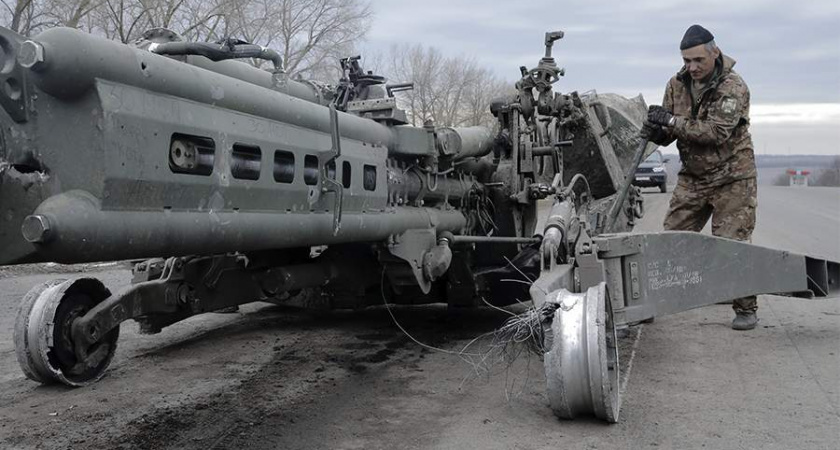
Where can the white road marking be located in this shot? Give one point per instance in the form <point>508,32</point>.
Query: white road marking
<point>623,386</point>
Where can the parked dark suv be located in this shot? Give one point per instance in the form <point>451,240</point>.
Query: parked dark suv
<point>651,172</point>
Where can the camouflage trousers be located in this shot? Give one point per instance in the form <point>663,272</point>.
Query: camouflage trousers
<point>731,207</point>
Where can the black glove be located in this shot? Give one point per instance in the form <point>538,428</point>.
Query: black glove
<point>660,116</point>
<point>653,133</point>
<point>647,130</point>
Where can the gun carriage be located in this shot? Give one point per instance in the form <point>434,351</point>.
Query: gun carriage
<point>222,177</point>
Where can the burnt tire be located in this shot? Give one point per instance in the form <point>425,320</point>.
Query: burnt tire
<point>21,336</point>
<point>42,335</point>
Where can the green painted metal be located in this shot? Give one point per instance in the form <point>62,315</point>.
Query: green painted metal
<point>113,112</point>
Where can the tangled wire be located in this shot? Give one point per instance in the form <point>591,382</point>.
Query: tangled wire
<point>524,332</point>
<point>521,335</point>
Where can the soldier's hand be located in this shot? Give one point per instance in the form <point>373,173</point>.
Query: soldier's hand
<point>653,133</point>
<point>660,116</point>
<point>648,130</point>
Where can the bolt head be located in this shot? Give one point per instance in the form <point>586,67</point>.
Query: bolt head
<point>31,55</point>
<point>36,229</point>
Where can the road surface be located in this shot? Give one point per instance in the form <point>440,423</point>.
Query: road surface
<point>272,377</point>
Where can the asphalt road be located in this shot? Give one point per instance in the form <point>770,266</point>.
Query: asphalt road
<point>271,377</point>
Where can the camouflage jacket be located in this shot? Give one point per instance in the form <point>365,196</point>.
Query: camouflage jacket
<point>712,130</point>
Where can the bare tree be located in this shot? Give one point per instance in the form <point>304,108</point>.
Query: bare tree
<point>194,19</point>
<point>126,20</point>
<point>23,16</point>
<point>70,13</point>
<point>13,13</point>
<point>29,17</point>
<point>423,67</point>
<point>479,95</point>
<point>122,20</point>
<point>204,20</point>
<point>318,32</point>
<point>829,176</point>
<point>310,34</point>
<point>451,91</point>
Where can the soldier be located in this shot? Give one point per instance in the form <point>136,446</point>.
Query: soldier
<point>706,110</point>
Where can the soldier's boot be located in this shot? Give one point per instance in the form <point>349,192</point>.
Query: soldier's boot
<point>744,320</point>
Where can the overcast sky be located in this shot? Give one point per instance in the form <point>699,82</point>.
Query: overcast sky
<point>787,51</point>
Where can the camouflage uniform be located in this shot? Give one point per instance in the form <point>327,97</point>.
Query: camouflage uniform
<point>718,164</point>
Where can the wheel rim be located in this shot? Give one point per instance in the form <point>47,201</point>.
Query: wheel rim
<point>582,362</point>
<point>21,335</point>
<point>46,352</point>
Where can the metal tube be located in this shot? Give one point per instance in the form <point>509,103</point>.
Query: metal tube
<point>243,71</point>
<point>556,231</point>
<point>551,149</point>
<point>80,231</point>
<point>467,142</point>
<point>409,185</point>
<point>625,186</point>
<point>218,52</point>
<point>462,239</point>
<point>75,60</point>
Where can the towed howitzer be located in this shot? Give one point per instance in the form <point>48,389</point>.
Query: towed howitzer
<point>223,177</point>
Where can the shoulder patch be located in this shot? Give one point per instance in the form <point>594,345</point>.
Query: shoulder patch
<point>728,105</point>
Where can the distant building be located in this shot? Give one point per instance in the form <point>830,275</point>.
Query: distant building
<point>798,177</point>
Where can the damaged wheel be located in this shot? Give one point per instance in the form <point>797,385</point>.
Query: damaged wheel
<point>581,365</point>
<point>43,333</point>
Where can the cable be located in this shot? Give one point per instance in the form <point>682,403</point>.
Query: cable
<point>426,346</point>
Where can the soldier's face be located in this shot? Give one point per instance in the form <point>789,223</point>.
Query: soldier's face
<point>699,61</point>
